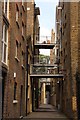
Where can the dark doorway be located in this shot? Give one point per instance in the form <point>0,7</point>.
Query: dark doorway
<point>48,90</point>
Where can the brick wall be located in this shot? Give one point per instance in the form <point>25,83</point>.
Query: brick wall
<point>15,64</point>
<point>0,62</point>
<point>30,18</point>
<point>69,55</point>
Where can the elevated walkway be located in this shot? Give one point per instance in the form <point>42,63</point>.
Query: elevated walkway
<point>45,65</point>
<point>44,46</point>
<point>44,42</point>
<point>46,75</point>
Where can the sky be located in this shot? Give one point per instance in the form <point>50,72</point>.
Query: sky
<point>46,18</point>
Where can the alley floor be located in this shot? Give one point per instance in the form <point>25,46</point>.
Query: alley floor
<point>46,112</point>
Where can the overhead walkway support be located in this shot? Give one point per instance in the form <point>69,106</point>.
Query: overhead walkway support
<point>44,46</point>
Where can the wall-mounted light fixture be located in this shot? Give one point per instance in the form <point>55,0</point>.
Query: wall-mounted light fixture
<point>14,75</point>
<point>57,82</point>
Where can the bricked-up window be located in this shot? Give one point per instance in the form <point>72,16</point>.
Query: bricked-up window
<point>15,90</point>
<point>16,48</point>
<point>4,43</point>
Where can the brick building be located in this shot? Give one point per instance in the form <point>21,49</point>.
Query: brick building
<point>68,27</point>
<point>13,59</point>
<point>33,37</point>
<point>17,46</point>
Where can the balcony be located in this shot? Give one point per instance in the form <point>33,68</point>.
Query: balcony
<point>44,43</point>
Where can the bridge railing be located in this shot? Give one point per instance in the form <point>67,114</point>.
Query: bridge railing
<point>44,60</point>
<point>42,70</point>
<point>43,39</point>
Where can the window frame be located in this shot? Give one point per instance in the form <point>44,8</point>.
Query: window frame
<point>16,51</point>
<point>6,7</point>
<point>22,58</point>
<point>15,90</point>
<point>4,43</point>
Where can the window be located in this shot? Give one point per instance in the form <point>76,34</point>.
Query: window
<point>57,52</point>
<point>22,29</point>
<point>23,6</point>
<point>17,13</point>
<point>17,49</point>
<point>22,2</point>
<point>22,58</point>
<point>4,43</point>
<point>5,6</point>
<point>15,89</point>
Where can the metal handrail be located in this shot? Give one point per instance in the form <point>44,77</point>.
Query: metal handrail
<point>43,39</point>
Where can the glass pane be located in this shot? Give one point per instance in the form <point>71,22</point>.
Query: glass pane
<point>5,34</point>
<point>5,6</point>
<point>5,50</point>
<point>2,51</point>
<point>16,49</point>
<point>22,30</point>
<point>15,87</point>
<point>16,15</point>
<point>22,60</point>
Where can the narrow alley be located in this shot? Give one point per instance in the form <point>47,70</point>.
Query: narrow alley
<point>46,112</point>
<point>39,60</point>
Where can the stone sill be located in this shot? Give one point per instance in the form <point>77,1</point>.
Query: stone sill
<point>4,65</point>
<point>23,66</point>
<point>17,59</point>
